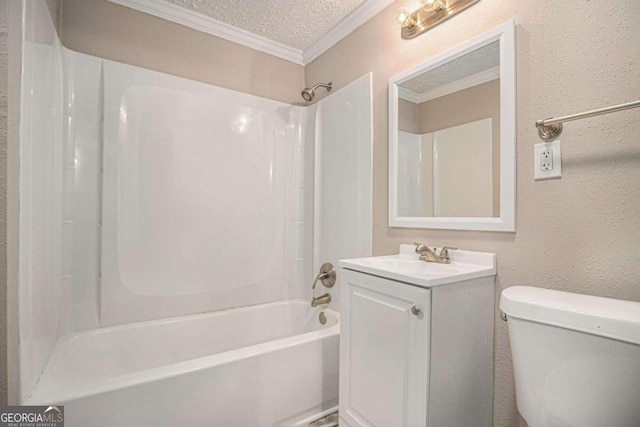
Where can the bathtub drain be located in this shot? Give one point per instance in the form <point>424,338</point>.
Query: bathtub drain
<point>322,318</point>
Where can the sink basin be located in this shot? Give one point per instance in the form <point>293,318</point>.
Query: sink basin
<point>410,266</point>
<point>406,267</point>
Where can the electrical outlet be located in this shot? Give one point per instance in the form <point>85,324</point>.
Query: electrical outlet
<point>547,160</point>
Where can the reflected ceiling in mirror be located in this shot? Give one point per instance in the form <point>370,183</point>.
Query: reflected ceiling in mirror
<point>477,65</point>
<point>451,134</point>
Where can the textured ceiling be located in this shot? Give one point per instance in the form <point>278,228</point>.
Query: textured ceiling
<point>295,23</point>
<point>479,60</point>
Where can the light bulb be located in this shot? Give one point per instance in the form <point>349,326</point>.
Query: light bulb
<point>404,18</point>
<point>435,5</point>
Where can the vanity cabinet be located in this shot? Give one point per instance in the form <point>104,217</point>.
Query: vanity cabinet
<point>384,352</point>
<point>415,355</point>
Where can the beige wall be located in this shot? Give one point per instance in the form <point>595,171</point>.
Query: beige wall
<point>579,233</point>
<point>111,31</point>
<point>408,116</point>
<point>468,105</point>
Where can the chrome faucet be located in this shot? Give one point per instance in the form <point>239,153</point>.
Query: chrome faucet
<point>322,299</point>
<point>426,254</point>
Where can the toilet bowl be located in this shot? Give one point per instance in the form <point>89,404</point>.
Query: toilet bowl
<point>576,358</point>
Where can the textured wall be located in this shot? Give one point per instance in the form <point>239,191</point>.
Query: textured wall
<point>4,36</point>
<point>111,31</point>
<point>579,233</point>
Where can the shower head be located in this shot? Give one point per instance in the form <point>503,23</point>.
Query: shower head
<point>308,93</point>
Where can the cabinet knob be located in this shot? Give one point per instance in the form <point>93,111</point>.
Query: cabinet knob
<point>415,310</point>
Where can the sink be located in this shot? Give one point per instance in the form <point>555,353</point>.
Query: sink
<point>406,267</point>
<point>410,266</point>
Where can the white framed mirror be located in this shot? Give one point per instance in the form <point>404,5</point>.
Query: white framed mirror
<point>452,138</point>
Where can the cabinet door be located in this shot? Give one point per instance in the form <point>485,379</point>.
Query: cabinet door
<point>384,352</point>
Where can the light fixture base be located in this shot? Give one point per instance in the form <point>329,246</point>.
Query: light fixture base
<point>426,19</point>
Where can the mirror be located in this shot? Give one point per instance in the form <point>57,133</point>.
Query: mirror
<point>452,138</point>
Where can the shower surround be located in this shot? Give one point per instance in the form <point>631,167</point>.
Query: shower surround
<point>180,225</point>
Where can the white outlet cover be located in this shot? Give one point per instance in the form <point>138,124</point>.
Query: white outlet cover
<point>556,171</point>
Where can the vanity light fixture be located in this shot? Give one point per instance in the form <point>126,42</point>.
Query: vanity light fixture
<point>429,15</point>
<point>403,16</point>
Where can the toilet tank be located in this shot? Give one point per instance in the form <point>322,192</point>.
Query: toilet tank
<point>576,358</point>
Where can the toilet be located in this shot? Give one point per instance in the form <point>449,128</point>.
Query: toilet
<point>576,358</point>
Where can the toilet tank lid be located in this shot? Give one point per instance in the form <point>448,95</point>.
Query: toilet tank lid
<point>606,317</point>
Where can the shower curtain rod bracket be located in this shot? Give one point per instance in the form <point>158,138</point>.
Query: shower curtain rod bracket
<point>548,131</point>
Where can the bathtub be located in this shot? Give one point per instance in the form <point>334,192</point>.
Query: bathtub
<point>266,365</point>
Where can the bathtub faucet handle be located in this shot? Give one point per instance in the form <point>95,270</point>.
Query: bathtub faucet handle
<point>320,276</point>
<point>327,276</point>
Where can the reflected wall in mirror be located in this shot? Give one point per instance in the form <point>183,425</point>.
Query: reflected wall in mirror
<point>452,139</point>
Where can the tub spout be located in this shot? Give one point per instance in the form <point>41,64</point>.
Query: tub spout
<point>322,299</point>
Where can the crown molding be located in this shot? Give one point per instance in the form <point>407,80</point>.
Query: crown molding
<point>197,21</point>
<point>346,26</point>
<point>408,95</point>
<point>462,84</point>
<point>449,88</point>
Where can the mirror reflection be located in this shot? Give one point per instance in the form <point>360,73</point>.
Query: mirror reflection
<point>448,154</point>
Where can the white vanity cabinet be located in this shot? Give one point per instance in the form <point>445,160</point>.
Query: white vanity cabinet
<point>413,354</point>
<point>384,352</point>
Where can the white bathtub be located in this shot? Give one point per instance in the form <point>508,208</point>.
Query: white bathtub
<point>265,365</point>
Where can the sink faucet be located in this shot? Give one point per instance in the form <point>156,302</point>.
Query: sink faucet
<point>426,254</point>
<point>322,299</point>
